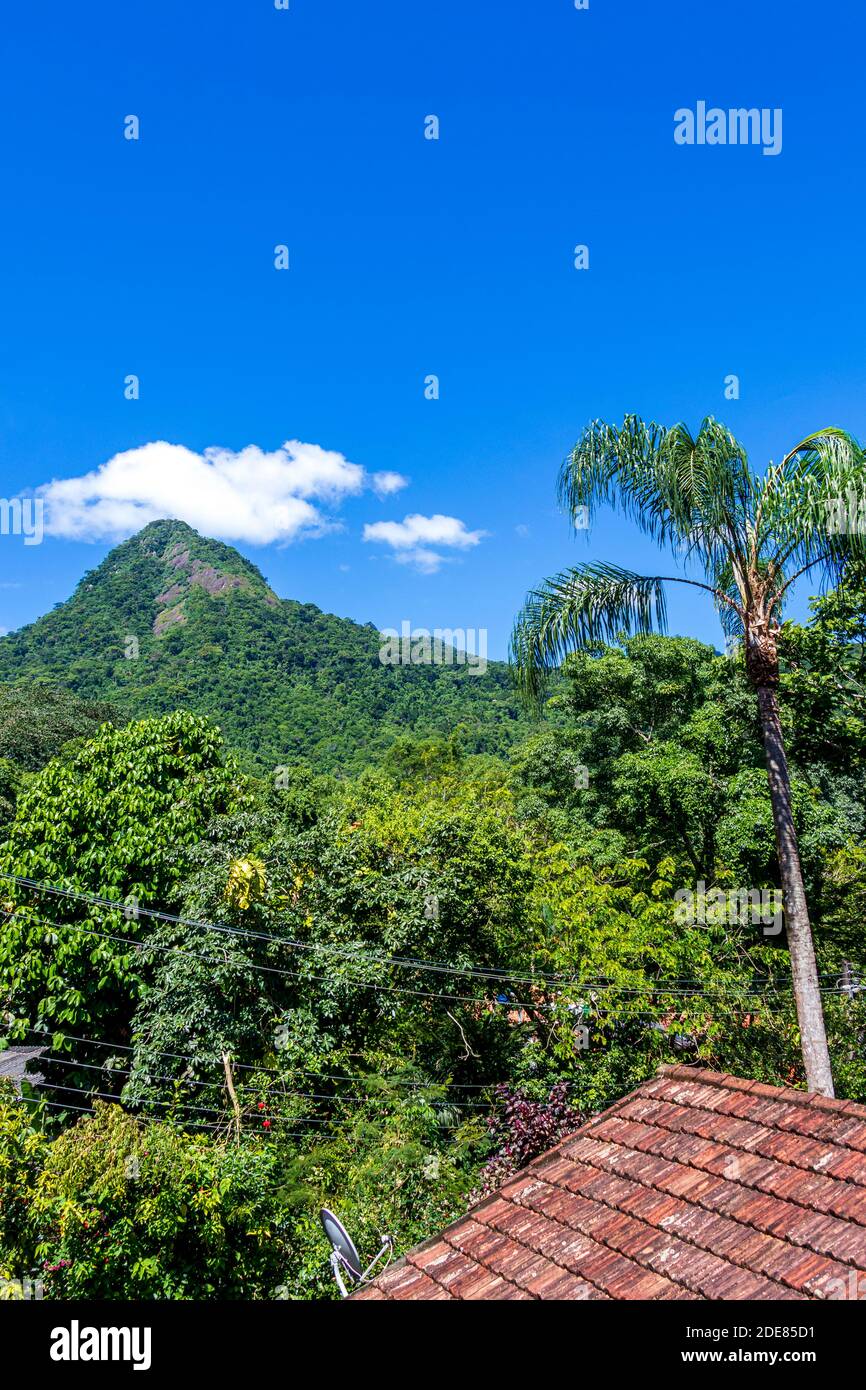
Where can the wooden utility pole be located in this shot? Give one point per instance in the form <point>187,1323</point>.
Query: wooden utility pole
<point>227,1068</point>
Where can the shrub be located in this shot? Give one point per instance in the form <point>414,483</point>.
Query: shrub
<point>119,1209</point>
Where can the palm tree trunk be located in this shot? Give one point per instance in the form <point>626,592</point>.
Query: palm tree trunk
<point>804,970</point>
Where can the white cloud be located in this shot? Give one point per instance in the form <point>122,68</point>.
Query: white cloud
<point>384,484</point>
<point>413,539</point>
<point>250,495</point>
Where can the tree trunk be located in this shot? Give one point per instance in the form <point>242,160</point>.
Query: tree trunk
<point>804,970</point>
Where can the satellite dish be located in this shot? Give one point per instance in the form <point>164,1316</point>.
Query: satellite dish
<point>345,1260</point>
<point>341,1242</point>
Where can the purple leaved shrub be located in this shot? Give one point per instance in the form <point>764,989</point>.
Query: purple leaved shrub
<point>521,1130</point>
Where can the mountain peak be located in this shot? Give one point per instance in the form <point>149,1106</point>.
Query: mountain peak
<point>172,562</point>
<point>166,540</point>
<point>156,534</point>
<point>174,619</point>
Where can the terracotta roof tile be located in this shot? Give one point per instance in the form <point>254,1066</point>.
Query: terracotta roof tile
<point>444,1265</point>
<point>518,1264</point>
<point>849,1166</point>
<point>851,1132</point>
<point>557,1283</point>
<point>406,1281</point>
<point>506,1292</point>
<point>697,1185</point>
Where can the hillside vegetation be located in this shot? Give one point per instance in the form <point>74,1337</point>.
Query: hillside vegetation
<point>382,992</point>
<point>171,619</point>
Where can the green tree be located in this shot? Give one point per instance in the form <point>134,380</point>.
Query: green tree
<point>114,822</point>
<point>824,681</point>
<point>430,871</point>
<point>36,722</point>
<point>752,537</point>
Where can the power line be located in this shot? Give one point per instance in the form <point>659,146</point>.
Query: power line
<point>274,1071</point>
<point>55,1104</point>
<point>403,962</point>
<point>188,1107</point>
<point>140,1119</point>
<point>377,986</point>
<point>656,988</point>
<point>320,1122</point>
<point>110,1095</point>
<point>241,1090</point>
<point>88,1110</point>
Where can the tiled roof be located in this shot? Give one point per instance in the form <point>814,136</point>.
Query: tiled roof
<point>696,1185</point>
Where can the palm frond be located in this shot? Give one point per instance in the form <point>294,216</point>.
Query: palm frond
<point>580,608</point>
<point>811,508</point>
<point>694,493</point>
<point>830,450</point>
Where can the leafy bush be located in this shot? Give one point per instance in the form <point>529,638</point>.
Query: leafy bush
<point>522,1130</point>
<point>120,1208</point>
<point>114,1208</point>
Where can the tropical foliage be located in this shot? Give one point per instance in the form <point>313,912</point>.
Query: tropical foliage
<point>752,537</point>
<point>384,992</point>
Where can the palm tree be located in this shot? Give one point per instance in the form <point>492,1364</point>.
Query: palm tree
<point>752,537</point>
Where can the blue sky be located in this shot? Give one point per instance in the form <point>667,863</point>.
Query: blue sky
<point>411,257</point>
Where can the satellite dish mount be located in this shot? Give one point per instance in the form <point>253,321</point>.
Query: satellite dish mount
<point>345,1260</point>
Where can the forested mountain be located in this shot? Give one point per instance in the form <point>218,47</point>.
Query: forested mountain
<point>171,619</point>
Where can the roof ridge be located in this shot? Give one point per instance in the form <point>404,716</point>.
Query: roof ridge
<point>770,1126</point>
<point>732,1144</point>
<point>808,1099</point>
